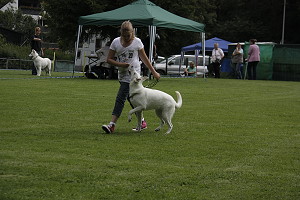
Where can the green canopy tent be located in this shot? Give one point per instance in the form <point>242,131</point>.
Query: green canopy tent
<point>141,13</point>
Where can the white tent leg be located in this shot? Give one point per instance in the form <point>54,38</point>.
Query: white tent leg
<point>197,52</point>
<point>180,61</point>
<point>76,47</point>
<point>203,52</point>
<point>152,33</point>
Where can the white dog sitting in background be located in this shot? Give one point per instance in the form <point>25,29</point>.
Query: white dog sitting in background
<point>40,63</point>
<point>147,99</point>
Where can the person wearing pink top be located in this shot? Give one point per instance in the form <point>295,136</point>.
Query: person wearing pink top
<point>253,59</point>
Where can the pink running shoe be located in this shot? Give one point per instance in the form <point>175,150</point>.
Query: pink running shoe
<point>108,128</point>
<point>144,126</point>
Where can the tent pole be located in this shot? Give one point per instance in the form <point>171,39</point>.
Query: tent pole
<point>152,32</point>
<point>180,62</point>
<point>203,53</point>
<point>196,59</point>
<point>283,23</point>
<point>76,47</point>
<point>150,44</point>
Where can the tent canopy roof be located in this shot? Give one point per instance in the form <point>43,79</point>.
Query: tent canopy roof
<point>142,13</point>
<point>209,45</point>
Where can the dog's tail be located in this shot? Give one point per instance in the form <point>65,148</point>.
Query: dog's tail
<point>179,100</point>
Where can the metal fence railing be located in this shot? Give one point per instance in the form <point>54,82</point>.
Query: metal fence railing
<point>9,63</point>
<point>22,64</point>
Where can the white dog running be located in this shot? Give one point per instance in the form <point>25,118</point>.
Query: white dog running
<point>40,63</point>
<point>147,99</point>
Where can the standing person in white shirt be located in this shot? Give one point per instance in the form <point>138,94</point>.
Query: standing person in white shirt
<point>128,49</point>
<point>216,57</point>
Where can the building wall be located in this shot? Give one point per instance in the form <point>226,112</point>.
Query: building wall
<point>13,5</point>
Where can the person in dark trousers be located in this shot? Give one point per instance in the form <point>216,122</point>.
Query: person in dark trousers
<point>36,44</point>
<point>253,59</point>
<point>217,56</point>
<point>237,61</point>
<point>128,49</point>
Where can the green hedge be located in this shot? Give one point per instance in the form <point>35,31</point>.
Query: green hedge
<point>8,50</point>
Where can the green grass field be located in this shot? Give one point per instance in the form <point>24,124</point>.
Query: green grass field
<point>232,139</point>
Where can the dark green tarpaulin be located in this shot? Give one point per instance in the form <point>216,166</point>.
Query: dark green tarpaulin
<point>142,13</point>
<point>264,69</point>
<point>286,62</point>
<point>278,61</point>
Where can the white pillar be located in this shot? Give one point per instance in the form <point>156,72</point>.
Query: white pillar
<point>152,33</point>
<point>203,51</point>
<point>76,46</point>
<point>283,23</point>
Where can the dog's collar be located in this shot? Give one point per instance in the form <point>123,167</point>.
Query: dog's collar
<point>34,57</point>
<point>132,95</point>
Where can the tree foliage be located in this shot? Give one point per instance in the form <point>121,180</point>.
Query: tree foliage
<point>15,20</point>
<point>232,20</point>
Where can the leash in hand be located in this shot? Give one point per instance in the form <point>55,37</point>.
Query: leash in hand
<point>151,83</point>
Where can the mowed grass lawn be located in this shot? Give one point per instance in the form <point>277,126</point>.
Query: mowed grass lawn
<point>232,139</point>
